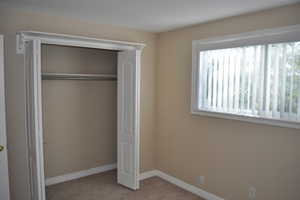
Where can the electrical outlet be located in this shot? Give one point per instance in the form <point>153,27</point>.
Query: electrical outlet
<point>252,193</point>
<point>200,180</point>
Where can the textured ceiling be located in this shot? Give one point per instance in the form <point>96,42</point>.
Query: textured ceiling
<point>148,15</point>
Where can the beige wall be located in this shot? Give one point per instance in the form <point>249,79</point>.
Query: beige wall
<point>13,21</point>
<point>79,117</point>
<point>232,155</point>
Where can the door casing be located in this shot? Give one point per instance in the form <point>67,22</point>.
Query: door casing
<point>4,179</point>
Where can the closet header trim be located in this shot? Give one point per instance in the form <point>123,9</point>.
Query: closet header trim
<point>71,40</point>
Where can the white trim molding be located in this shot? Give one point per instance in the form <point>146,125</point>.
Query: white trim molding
<point>71,40</point>
<point>261,37</point>
<point>186,186</point>
<point>79,174</point>
<point>148,174</point>
<point>4,173</point>
<point>265,36</point>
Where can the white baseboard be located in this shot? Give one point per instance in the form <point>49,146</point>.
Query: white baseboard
<point>148,174</point>
<point>79,174</point>
<point>188,187</point>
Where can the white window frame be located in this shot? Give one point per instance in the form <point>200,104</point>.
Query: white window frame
<point>262,37</point>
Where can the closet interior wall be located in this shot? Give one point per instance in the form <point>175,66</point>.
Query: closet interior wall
<point>79,116</point>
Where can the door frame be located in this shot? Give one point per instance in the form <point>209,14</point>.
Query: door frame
<point>3,131</point>
<point>33,88</point>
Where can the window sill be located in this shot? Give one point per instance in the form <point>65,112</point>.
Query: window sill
<point>245,118</point>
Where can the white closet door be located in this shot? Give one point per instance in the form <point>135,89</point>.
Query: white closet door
<point>4,186</point>
<point>128,118</point>
<point>34,119</point>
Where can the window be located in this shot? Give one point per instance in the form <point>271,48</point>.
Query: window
<point>253,77</point>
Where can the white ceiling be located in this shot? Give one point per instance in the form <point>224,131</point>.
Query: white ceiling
<point>148,15</point>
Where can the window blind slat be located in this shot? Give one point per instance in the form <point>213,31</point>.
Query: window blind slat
<point>255,76</point>
<point>215,73</point>
<point>283,82</point>
<point>238,62</point>
<point>210,73</point>
<point>225,80</point>
<point>292,83</point>
<point>201,81</point>
<point>220,80</point>
<point>268,85</point>
<point>249,76</point>
<point>262,81</point>
<point>297,65</point>
<point>204,87</point>
<point>275,81</point>
<point>231,79</point>
<point>243,82</point>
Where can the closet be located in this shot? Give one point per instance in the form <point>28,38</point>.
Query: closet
<point>83,109</point>
<point>79,102</point>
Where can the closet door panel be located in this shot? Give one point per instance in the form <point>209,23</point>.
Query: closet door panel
<point>128,109</point>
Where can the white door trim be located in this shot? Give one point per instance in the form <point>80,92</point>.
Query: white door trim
<point>34,113</point>
<point>4,182</point>
<point>71,40</point>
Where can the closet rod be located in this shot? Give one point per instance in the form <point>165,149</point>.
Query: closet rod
<point>66,76</point>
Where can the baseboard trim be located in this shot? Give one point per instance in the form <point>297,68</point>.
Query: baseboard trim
<point>188,187</point>
<point>79,174</point>
<point>148,174</point>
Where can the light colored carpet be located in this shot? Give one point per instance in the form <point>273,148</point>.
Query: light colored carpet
<point>104,186</point>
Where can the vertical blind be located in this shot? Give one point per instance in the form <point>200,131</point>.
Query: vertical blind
<point>260,80</point>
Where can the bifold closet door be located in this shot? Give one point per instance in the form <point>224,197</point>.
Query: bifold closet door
<point>34,118</point>
<point>128,119</point>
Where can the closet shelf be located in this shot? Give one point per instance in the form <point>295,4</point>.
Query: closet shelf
<point>66,76</point>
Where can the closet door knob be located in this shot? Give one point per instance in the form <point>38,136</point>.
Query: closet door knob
<point>1,148</point>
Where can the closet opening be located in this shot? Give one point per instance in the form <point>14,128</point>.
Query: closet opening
<point>83,113</point>
<point>79,105</point>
